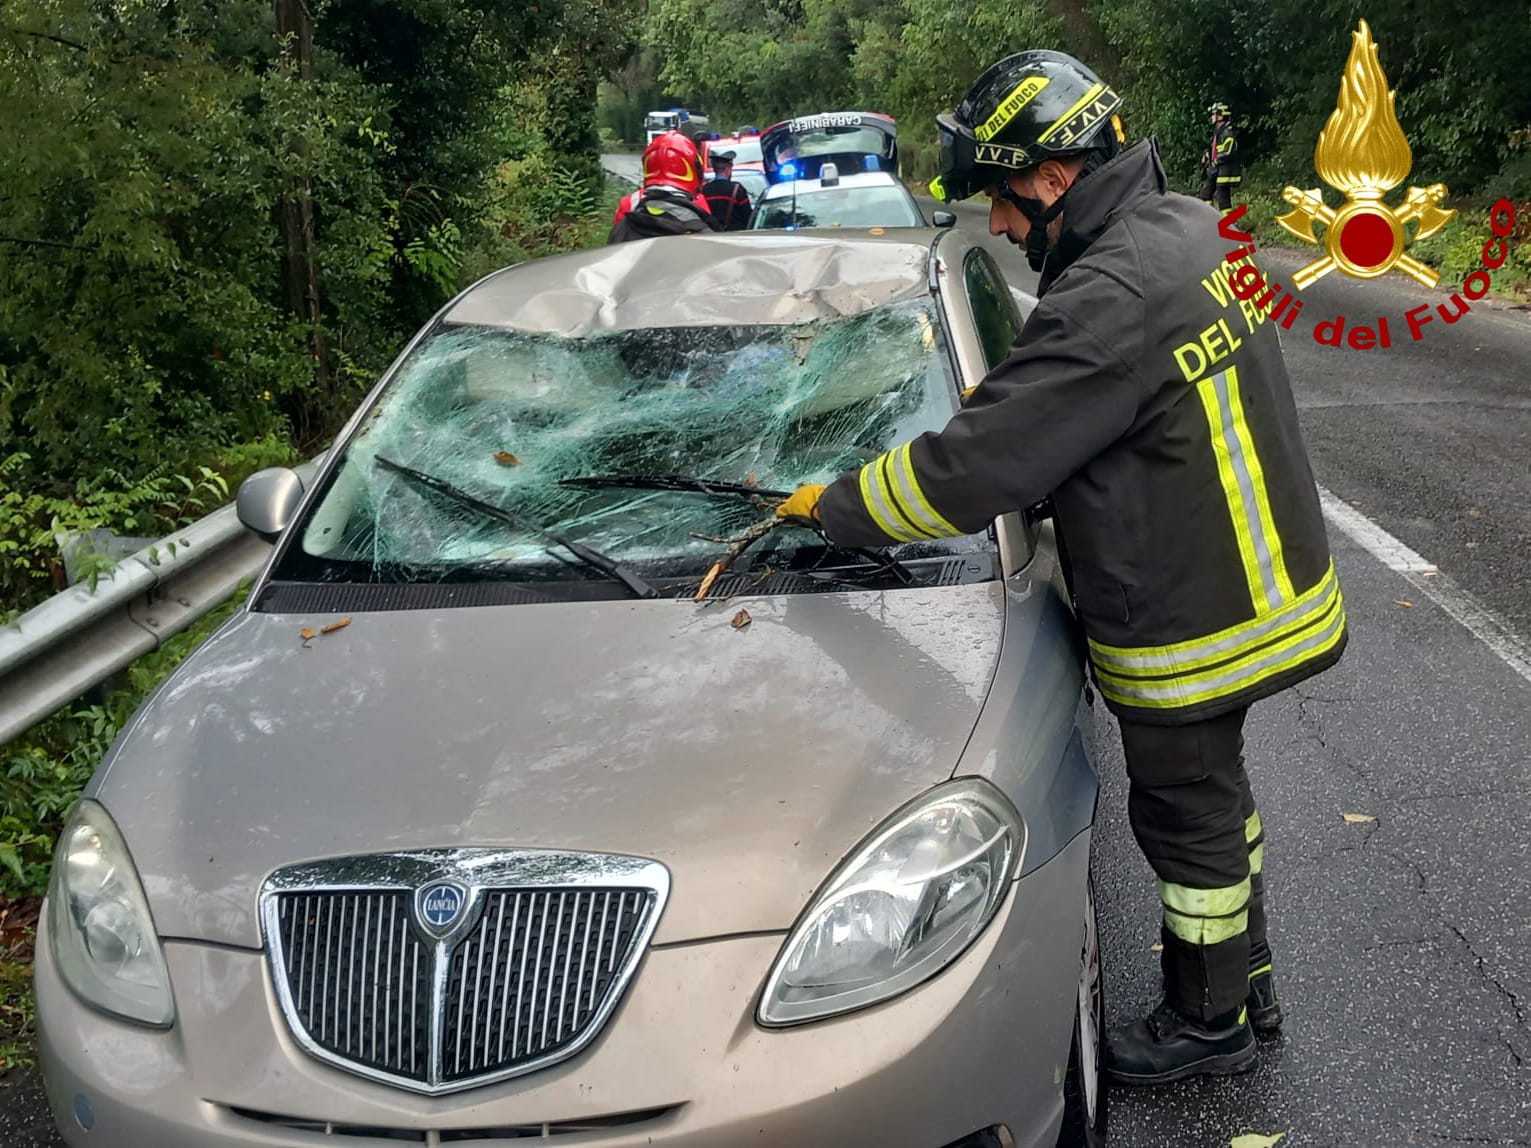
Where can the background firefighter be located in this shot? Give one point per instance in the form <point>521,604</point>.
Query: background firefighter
<point>670,201</point>
<point>1222,169</point>
<point>1196,549</point>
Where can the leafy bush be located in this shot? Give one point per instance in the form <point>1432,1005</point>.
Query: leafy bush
<point>43,771</point>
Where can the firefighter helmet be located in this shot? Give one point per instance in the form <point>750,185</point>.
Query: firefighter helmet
<point>1218,109</point>
<point>1027,108</point>
<point>672,160</point>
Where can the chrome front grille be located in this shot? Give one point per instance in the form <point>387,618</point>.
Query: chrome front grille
<point>530,977</point>
<point>360,979</point>
<point>516,973</point>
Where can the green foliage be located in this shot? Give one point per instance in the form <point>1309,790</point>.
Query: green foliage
<point>43,771</point>
<point>32,522</point>
<point>18,1012</point>
<point>1462,89</point>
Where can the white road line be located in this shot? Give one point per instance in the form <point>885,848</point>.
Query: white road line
<point>1478,619</point>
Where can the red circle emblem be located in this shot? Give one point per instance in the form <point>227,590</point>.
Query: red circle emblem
<point>1367,239</point>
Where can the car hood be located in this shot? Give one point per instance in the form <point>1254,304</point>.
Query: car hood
<point>748,761</point>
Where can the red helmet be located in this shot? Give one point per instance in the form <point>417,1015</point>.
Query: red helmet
<point>672,159</point>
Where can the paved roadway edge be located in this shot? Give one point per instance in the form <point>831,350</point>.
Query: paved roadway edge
<point>1485,625</point>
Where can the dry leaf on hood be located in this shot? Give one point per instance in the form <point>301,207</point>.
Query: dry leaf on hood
<point>505,458</point>
<point>1358,818</point>
<point>333,626</point>
<point>307,635</point>
<point>740,620</point>
<point>1255,1140</point>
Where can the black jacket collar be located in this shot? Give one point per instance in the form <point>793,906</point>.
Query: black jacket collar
<point>1097,199</point>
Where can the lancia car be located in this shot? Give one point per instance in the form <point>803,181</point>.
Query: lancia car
<point>546,787</point>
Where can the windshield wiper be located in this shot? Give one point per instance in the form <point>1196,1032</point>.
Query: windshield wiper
<point>687,482</point>
<point>592,558</point>
<point>672,482</point>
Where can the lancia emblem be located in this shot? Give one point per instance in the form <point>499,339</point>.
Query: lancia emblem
<point>439,906</point>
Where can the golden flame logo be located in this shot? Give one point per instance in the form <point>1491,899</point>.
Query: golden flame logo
<point>1363,153</point>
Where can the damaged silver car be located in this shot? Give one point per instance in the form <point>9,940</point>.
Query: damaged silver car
<point>545,789</point>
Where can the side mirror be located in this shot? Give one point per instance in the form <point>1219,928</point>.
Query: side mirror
<point>944,219</point>
<point>267,500</point>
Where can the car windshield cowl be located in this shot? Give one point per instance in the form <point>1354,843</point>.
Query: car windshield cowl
<point>641,446</point>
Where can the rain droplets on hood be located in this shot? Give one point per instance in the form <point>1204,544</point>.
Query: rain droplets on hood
<point>506,415</point>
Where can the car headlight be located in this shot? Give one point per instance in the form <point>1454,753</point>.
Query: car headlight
<point>101,933</point>
<point>905,905</point>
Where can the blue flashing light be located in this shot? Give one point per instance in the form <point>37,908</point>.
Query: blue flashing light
<point>789,170</point>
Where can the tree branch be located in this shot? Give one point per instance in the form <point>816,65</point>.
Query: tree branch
<point>75,44</point>
<point>20,240</point>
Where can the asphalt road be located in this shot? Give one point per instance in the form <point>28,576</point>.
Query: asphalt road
<point>1400,942</point>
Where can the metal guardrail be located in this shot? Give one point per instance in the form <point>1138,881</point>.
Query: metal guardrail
<point>78,638</point>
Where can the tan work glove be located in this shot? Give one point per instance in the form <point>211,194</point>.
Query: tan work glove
<point>803,502</point>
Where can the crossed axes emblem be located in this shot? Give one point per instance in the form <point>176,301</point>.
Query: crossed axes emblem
<point>1421,205</point>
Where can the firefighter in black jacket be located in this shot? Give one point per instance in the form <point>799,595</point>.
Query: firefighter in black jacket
<point>1222,169</point>
<point>1158,416</point>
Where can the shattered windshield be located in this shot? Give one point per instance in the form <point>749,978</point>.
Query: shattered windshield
<point>506,416</point>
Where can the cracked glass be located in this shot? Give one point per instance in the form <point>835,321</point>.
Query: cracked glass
<point>506,416</point>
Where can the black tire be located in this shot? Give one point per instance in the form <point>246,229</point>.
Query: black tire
<point>1079,1129</point>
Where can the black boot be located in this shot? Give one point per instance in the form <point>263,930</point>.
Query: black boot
<point>1264,1009</point>
<point>1167,1046</point>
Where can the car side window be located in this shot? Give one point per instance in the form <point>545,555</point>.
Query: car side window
<point>995,315</point>
<point>998,322</point>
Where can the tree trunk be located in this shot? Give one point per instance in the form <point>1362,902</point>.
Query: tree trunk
<point>300,274</point>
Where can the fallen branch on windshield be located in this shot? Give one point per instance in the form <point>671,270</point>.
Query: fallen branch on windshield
<point>736,547</point>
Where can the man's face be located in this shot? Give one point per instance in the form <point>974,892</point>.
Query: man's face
<point>1045,183</point>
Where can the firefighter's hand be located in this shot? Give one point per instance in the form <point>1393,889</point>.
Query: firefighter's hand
<point>802,503</point>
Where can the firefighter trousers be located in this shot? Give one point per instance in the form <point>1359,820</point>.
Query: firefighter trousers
<point>1194,817</point>
<point>1219,191</point>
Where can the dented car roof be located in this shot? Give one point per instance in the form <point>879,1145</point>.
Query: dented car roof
<point>702,280</point>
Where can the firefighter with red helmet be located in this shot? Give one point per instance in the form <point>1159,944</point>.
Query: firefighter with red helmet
<point>669,202</point>
<point>1160,425</point>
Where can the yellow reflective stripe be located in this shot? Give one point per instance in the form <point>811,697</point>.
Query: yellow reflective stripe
<point>1205,916</point>
<point>1233,678</point>
<point>1261,971</point>
<point>875,499</point>
<point>1271,539</point>
<point>1084,101</point>
<point>1225,644</point>
<point>1226,146</point>
<point>1257,859</point>
<point>1230,179</point>
<point>1189,902</point>
<point>1206,930</point>
<point>889,476</point>
<point>1222,451</point>
<point>910,498</point>
<point>1252,827</point>
<point>1024,93</point>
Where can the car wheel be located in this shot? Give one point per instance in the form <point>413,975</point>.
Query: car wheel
<point>1084,1088</point>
